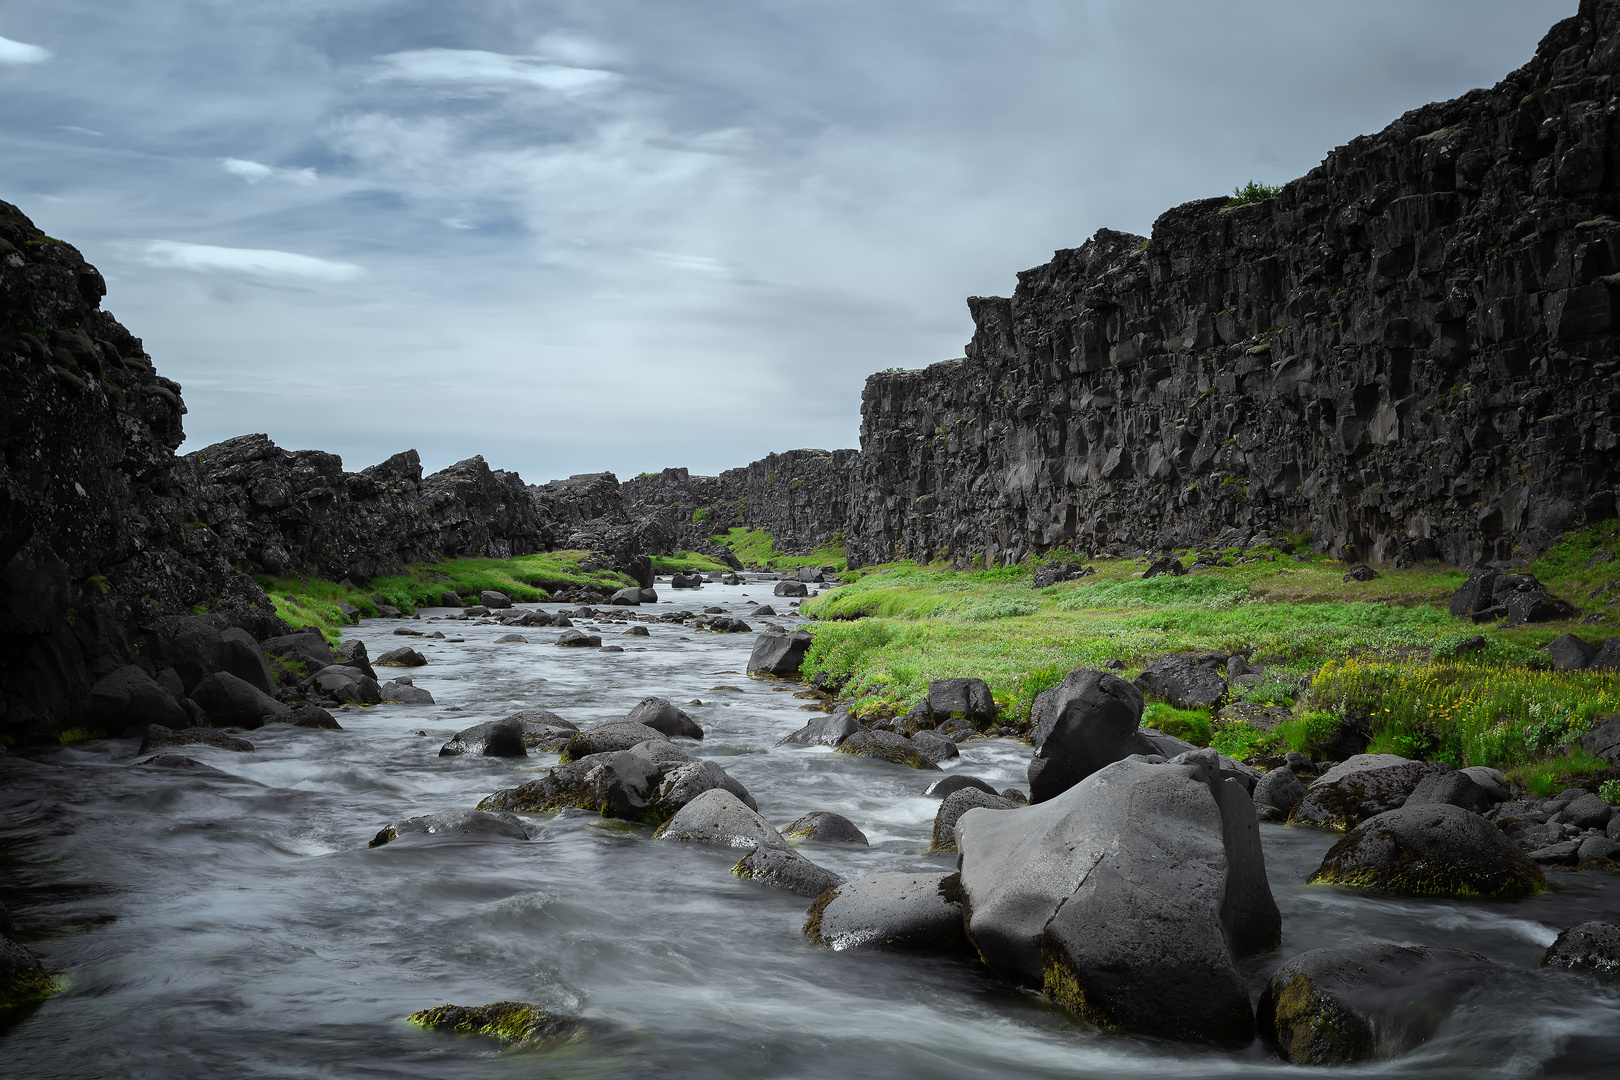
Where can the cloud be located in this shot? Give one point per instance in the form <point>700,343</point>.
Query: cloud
<point>17,52</point>
<point>256,262</point>
<point>474,67</point>
<point>254,172</point>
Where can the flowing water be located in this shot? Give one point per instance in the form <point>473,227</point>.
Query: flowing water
<point>239,926</point>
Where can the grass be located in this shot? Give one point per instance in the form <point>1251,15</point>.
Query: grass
<point>683,561</point>
<point>1252,192</point>
<point>1383,654</point>
<point>755,548</point>
<point>312,603</point>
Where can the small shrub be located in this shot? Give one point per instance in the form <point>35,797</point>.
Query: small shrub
<point>1239,740</point>
<point>1252,192</point>
<point>700,515</point>
<point>1307,733</point>
<point>1609,792</point>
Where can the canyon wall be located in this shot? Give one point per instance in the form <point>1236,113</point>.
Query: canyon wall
<point>1410,352</point>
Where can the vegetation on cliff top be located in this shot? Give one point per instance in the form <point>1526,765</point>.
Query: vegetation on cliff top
<point>1380,654</point>
<point>756,548</point>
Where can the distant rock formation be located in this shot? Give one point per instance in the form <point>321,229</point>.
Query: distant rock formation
<point>1411,352</point>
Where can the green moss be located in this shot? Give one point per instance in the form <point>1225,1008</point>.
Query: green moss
<point>515,1023</point>
<point>1062,984</point>
<point>683,561</point>
<point>70,736</point>
<point>1311,1031</point>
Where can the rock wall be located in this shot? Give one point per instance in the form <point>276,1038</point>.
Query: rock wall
<point>1410,352</point>
<point>93,518</point>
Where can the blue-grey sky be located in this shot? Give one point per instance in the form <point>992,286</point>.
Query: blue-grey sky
<point>583,234</point>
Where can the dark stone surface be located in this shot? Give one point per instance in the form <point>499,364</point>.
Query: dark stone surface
<point>1570,653</point>
<point>229,701</point>
<point>826,827</point>
<point>1348,357</point>
<point>919,912</point>
<point>1093,719</point>
<point>778,654</point>
<point>941,789</point>
<point>958,803</point>
<point>1455,788</point>
<point>791,588</point>
<point>1130,897</point>
<point>157,737</point>
<point>404,656</point>
<point>455,825</point>
<point>664,717</point>
<point>1279,790</point>
<point>968,698</point>
<point>640,784</point>
<point>1360,788</point>
<point>786,869</point>
<point>829,730</point>
<point>718,817</point>
<point>495,738</point>
<point>126,699</point>
<point>605,738</point>
<point>1364,1002</point>
<point>1435,849</point>
<point>886,746</point>
<point>1591,948</point>
<point>1178,681</point>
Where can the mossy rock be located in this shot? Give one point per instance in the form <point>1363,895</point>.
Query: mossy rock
<point>24,982</point>
<point>886,746</point>
<point>518,1024</point>
<point>1434,849</point>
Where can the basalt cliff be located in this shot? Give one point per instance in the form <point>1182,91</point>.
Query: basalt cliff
<point>1410,352</point>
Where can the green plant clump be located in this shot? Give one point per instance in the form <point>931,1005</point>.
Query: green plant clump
<point>1252,192</point>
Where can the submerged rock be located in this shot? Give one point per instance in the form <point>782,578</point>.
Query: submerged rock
<point>23,979</point>
<point>459,824</point>
<point>518,1024</point>
<point>920,912</point>
<point>1434,849</point>
<point>1129,897</point>
<point>1364,1002</point>
<point>157,737</point>
<point>179,763</point>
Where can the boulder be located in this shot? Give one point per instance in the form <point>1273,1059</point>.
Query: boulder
<point>1166,565</point>
<point>1365,1002</point>
<point>343,684</point>
<point>405,693</point>
<point>305,646</point>
<point>829,730</point>
<point>1092,720</point>
<point>199,645</point>
<point>826,827</point>
<point>1608,656</point>
<point>1591,948</point>
<point>1360,573</point>
<point>157,737</point>
<point>730,579</point>
<point>127,698</point>
<point>955,805</point>
<point>23,980</point>
<point>544,729</point>
<point>1279,791</point>
<point>686,581</point>
<point>967,698</point>
<point>934,746</point>
<point>401,657</point>
<point>1490,780</point>
<point>1454,788</point>
<point>778,654</point>
<point>791,588</point>
<point>726,624</point>
<point>629,784</point>
<point>1129,897</point>
<point>786,869</point>
<point>493,600</point>
<point>1603,740</point>
<point>178,763</point>
<point>942,788</point>
<point>638,631</point>
<point>630,597</point>
<point>352,653</point>
<point>579,639</point>
<point>885,746</point>
<point>242,656</point>
<point>455,824</point>
<point>230,702</point>
<point>1360,788</point>
<point>1178,681</point>
<point>1048,574</point>
<point>1570,653</point>
<point>920,912</point>
<point>1435,849</point>
<point>716,816</point>
<point>763,610</point>
<point>608,738</point>
<point>660,715</point>
<point>1586,812</point>
<point>312,716</point>
<point>511,639</point>
<point>496,738</point>
<point>810,575</point>
<point>1474,595</point>
<point>649,595</point>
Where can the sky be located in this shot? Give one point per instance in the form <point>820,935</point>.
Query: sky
<point>575,235</point>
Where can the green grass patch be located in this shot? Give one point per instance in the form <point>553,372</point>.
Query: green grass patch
<point>1240,740</point>
<point>1194,725</point>
<point>1253,192</point>
<point>755,548</point>
<point>683,561</point>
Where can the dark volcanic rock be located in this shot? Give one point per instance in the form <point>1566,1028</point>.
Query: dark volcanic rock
<point>920,912</point>
<point>826,827</point>
<point>496,738</point>
<point>518,1024</point>
<point>1361,787</point>
<point>127,698</point>
<point>786,869</point>
<point>829,730</point>
<point>1129,897</point>
<point>660,715</point>
<point>402,657</point>
<point>1182,683</point>
<point>1297,363</point>
<point>158,737</point>
<point>1363,1002</point>
<point>966,698</point>
<point>606,738</point>
<point>1435,849</point>
<point>791,588</point>
<point>1590,947</point>
<point>1091,721</point>
<point>955,805</point>
<point>778,654</point>
<point>941,789</point>
<point>455,824</point>
<point>228,701</point>
<point>886,746</point>
<point>640,784</point>
<point>1570,653</point>
<point>718,817</point>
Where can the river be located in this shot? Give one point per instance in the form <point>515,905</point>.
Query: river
<point>239,926</point>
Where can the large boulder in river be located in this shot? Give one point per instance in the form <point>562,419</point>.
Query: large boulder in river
<point>1435,849</point>
<point>784,868</point>
<point>404,656</point>
<point>827,730</point>
<point>1278,792</point>
<point>1361,787</point>
<point>231,702</point>
<point>719,817</point>
<point>305,646</point>
<point>921,912</point>
<point>1591,948</point>
<point>886,746</point>
<point>778,654</point>
<point>492,599</point>
<point>663,716</point>
<point>23,979</point>
<point>609,737</point>
<point>456,825</point>
<point>958,803</point>
<point>344,684</point>
<point>1129,897</point>
<point>1365,1002</point>
<point>1182,683</point>
<point>791,588</point>
<point>157,737</point>
<point>1092,720</point>
<point>648,783</point>
<point>630,597</point>
<point>544,729</point>
<point>352,654</point>
<point>497,738</point>
<point>934,746</point>
<point>127,698</point>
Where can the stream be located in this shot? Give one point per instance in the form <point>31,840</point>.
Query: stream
<point>239,926</point>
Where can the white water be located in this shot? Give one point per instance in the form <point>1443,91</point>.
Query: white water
<point>240,927</point>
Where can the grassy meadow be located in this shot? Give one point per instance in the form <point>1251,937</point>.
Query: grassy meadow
<point>1382,654</point>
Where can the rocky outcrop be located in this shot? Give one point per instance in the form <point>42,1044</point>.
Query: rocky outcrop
<point>1397,352</point>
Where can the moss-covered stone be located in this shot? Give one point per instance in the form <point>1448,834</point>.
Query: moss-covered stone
<point>1431,850</point>
<point>886,746</point>
<point>23,980</point>
<point>518,1024</point>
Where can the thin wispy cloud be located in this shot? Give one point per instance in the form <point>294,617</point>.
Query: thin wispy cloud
<point>18,52</point>
<point>252,262</point>
<point>255,172</point>
<point>489,70</point>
